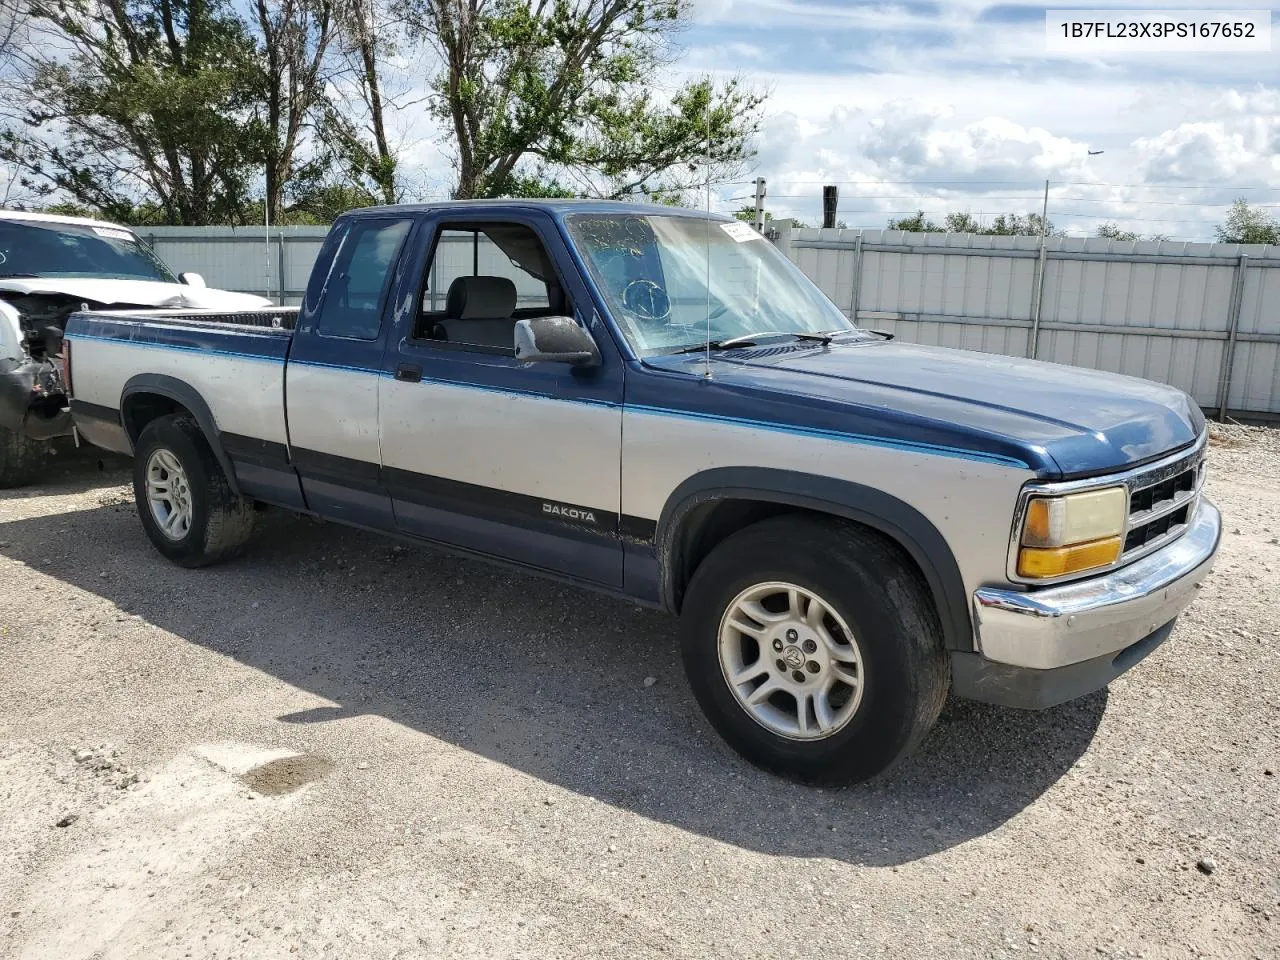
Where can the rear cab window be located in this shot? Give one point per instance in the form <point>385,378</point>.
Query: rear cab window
<point>360,277</point>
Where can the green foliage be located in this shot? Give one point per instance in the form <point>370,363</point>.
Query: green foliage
<point>171,111</point>
<point>916,223</point>
<point>143,104</point>
<point>325,202</point>
<point>1112,231</point>
<point>749,214</point>
<point>569,86</point>
<point>1004,225</point>
<point>1019,225</point>
<point>961,223</point>
<point>1246,224</point>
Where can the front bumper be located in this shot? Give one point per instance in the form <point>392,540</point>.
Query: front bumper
<point>1040,647</point>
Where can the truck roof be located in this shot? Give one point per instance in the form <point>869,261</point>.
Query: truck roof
<point>36,217</point>
<point>556,206</point>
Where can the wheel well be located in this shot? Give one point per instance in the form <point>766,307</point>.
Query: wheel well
<point>710,523</point>
<point>139,409</point>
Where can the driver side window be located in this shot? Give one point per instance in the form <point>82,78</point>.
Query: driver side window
<point>481,279</point>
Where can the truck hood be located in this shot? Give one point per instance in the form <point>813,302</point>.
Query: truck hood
<point>134,293</point>
<point>1059,420</point>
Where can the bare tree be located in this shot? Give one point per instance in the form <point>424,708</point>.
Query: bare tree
<point>367,92</point>
<point>12,17</point>
<point>295,36</point>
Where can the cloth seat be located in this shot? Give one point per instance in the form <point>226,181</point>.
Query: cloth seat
<point>479,310</point>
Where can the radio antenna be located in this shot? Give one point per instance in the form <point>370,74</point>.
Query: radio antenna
<point>706,367</point>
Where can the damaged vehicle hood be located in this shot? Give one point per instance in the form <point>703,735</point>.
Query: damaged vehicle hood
<point>134,293</point>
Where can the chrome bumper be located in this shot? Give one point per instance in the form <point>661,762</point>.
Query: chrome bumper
<point>1057,626</point>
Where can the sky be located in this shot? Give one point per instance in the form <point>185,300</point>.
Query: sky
<point>956,105</point>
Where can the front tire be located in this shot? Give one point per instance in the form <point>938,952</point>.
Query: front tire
<point>814,648</point>
<point>184,500</point>
<point>22,459</point>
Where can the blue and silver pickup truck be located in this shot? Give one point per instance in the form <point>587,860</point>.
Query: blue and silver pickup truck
<point>656,403</point>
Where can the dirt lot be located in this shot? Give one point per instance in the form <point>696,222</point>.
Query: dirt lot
<point>337,747</point>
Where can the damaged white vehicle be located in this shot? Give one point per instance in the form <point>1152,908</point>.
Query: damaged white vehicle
<point>51,266</point>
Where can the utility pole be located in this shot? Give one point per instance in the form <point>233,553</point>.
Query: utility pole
<point>1037,286</point>
<point>266,240</point>
<point>830,201</point>
<point>758,220</point>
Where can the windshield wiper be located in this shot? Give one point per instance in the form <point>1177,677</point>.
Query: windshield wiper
<point>751,339</point>
<point>822,338</point>
<point>733,343</point>
<point>19,276</point>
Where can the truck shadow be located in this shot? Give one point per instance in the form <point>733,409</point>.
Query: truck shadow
<point>546,679</point>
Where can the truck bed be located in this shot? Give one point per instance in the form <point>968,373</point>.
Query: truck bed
<point>241,375</point>
<point>275,318</point>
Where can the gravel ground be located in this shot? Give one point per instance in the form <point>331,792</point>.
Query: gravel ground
<point>339,747</point>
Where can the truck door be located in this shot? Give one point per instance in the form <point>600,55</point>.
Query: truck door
<point>516,460</point>
<point>332,378</point>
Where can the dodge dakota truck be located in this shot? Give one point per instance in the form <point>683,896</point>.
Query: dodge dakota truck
<point>49,266</point>
<point>656,403</point>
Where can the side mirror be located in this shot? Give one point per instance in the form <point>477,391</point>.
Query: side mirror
<point>557,340</point>
<point>191,279</point>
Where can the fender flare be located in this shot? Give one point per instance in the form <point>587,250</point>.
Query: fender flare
<point>881,511</point>
<point>189,397</point>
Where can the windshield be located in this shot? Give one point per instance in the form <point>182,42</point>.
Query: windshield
<point>36,249</point>
<point>668,277</point>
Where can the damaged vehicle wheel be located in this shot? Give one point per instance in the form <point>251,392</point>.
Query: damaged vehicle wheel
<point>21,458</point>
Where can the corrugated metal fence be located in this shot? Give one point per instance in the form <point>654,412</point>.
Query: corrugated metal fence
<point>1203,317</point>
<point>232,258</point>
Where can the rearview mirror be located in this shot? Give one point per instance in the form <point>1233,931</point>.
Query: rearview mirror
<point>191,279</point>
<point>557,340</point>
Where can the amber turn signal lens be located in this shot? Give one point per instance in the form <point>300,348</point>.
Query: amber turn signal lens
<point>1041,563</point>
<point>1073,518</point>
<point>1037,526</point>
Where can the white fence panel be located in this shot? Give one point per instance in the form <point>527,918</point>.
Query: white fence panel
<point>1188,314</point>
<point>1159,310</point>
<point>247,259</point>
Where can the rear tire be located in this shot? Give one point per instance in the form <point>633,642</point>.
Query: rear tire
<point>184,499</point>
<point>22,459</point>
<point>838,670</point>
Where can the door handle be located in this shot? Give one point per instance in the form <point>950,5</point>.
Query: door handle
<point>408,373</point>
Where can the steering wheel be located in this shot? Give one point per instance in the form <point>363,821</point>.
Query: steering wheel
<point>647,300</point>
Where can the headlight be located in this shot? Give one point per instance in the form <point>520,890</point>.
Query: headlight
<point>1072,533</point>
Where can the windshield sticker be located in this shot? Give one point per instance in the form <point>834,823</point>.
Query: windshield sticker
<point>115,234</point>
<point>742,232</point>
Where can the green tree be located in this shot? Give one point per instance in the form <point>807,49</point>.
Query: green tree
<point>1246,224</point>
<point>961,223</point>
<point>137,111</point>
<point>916,223</point>
<point>1004,225</point>
<point>569,86</point>
<point>1113,231</point>
<point>748,214</point>
<point>1018,225</point>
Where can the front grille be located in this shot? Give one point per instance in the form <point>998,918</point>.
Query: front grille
<point>1160,506</point>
